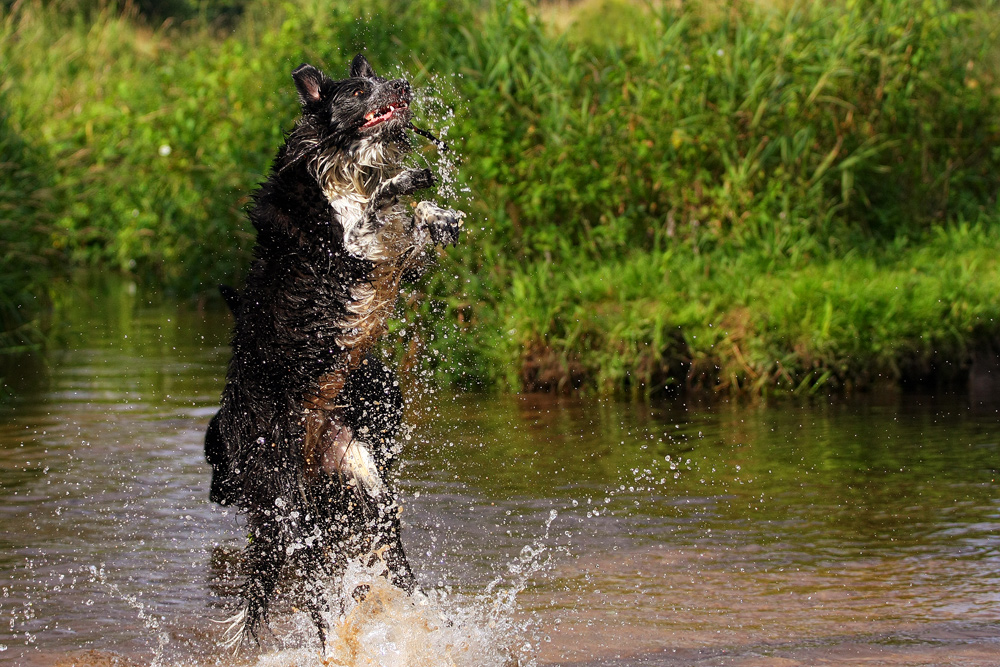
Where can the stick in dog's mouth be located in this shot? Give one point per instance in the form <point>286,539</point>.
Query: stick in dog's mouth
<point>441,146</point>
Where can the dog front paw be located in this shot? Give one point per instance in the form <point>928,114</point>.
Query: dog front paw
<point>444,224</point>
<point>412,180</point>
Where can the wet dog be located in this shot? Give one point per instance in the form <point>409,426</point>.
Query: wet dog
<point>304,439</point>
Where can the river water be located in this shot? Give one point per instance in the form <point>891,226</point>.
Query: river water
<point>551,531</point>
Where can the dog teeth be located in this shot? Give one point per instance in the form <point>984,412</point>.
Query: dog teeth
<point>383,114</point>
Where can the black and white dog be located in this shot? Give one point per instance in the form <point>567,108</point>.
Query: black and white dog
<point>304,439</point>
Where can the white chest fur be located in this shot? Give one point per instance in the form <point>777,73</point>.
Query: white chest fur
<point>348,179</point>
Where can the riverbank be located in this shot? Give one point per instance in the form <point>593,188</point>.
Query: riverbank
<point>914,314</point>
<point>734,199</point>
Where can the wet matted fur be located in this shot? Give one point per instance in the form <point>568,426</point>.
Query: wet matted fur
<point>303,442</point>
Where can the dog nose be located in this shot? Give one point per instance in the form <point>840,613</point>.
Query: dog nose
<point>401,87</point>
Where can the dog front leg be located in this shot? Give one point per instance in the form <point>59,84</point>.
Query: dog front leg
<point>407,182</point>
<point>443,224</point>
<point>362,235</point>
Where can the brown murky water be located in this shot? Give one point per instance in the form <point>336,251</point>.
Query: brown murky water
<point>561,531</point>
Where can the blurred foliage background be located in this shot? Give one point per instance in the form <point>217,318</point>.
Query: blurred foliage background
<point>749,197</point>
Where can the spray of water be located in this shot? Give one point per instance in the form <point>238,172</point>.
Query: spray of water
<point>436,118</point>
<point>98,575</point>
<point>391,629</point>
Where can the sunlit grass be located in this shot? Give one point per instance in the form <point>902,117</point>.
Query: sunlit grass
<point>745,324</point>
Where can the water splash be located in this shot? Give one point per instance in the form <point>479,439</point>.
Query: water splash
<point>436,112</point>
<point>98,575</point>
<point>388,628</point>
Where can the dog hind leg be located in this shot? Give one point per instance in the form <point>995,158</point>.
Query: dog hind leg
<point>387,546</point>
<point>263,560</point>
<point>321,569</point>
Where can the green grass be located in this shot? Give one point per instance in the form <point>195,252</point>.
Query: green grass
<point>733,197</point>
<point>746,324</point>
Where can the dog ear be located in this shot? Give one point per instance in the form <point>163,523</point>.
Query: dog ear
<point>362,69</point>
<point>309,83</point>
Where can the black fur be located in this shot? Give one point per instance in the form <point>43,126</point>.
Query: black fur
<point>303,372</point>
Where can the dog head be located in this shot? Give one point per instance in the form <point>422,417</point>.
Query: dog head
<point>364,107</point>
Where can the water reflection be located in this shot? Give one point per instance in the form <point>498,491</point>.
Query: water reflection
<point>728,534</point>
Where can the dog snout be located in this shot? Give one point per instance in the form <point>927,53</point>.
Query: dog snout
<point>400,88</point>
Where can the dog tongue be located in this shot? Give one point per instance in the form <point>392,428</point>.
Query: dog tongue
<point>375,120</point>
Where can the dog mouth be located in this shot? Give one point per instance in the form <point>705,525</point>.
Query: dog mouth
<point>386,113</point>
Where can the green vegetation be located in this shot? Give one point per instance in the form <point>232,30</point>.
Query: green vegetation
<point>744,323</point>
<point>25,196</point>
<point>735,197</point>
